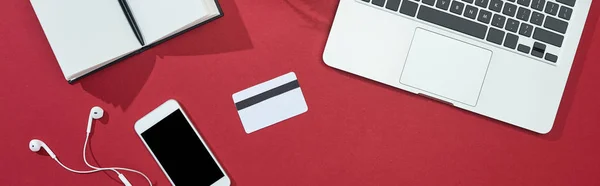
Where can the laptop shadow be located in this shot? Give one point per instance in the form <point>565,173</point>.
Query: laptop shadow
<point>120,83</point>
<point>580,59</point>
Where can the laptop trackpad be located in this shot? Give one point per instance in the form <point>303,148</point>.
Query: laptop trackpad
<point>439,65</point>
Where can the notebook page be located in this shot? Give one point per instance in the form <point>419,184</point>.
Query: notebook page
<point>160,18</point>
<point>89,70</point>
<point>84,34</point>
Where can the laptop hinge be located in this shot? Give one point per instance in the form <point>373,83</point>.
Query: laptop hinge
<point>436,99</point>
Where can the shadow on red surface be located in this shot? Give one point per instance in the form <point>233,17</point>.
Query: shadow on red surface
<point>226,34</point>
<point>317,13</point>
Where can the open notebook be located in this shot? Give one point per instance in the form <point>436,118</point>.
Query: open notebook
<point>88,35</point>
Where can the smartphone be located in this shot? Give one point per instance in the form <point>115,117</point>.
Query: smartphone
<point>178,147</point>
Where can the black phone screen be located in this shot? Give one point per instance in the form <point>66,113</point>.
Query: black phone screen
<point>181,153</point>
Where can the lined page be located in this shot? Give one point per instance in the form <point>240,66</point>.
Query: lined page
<point>160,18</point>
<point>85,34</point>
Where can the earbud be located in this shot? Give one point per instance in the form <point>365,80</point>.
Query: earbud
<point>35,145</point>
<point>95,113</point>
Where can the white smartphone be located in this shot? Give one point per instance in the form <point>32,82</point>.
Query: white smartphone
<point>178,148</point>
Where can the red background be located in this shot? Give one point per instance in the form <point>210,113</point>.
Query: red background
<point>356,132</point>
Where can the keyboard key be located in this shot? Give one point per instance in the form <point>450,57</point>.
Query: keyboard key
<point>509,9</point>
<point>565,12</point>
<point>495,36</point>
<point>511,0</point>
<point>409,8</point>
<point>511,41</point>
<point>443,4</point>
<point>538,50</point>
<point>546,36</point>
<point>468,1</point>
<point>484,16</point>
<point>567,2</point>
<point>429,2</point>
<point>551,57</point>
<point>453,22</point>
<point>526,29</point>
<point>551,8</point>
<point>482,3</point>
<point>556,24</point>
<point>378,2</point>
<point>471,12</point>
<point>366,0</point>
<point>498,21</point>
<point>523,48</point>
<point>524,2</point>
<point>523,14</point>
<point>537,18</point>
<point>457,7</point>
<point>496,5</point>
<point>512,25</point>
<point>392,5</point>
<point>538,4</point>
<point>537,53</point>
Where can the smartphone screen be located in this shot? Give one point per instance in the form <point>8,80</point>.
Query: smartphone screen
<point>183,156</point>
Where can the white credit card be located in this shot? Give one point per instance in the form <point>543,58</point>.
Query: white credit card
<point>270,102</point>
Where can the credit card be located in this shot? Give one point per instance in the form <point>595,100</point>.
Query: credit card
<point>270,102</point>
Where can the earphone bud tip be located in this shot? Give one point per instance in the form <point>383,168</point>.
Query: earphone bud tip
<point>96,112</point>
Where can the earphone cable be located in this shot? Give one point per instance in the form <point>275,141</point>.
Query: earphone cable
<point>75,171</point>
<point>87,136</point>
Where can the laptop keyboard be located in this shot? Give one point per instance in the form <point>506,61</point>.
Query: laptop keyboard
<point>500,22</point>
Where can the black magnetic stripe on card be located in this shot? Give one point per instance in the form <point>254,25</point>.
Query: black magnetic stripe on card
<point>267,95</point>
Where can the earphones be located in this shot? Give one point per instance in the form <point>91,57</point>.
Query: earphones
<point>96,112</point>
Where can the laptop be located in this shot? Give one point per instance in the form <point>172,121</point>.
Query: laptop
<point>505,59</point>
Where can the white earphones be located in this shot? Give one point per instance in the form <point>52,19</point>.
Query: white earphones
<point>95,113</point>
<point>35,145</point>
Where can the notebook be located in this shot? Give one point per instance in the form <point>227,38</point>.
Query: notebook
<point>88,35</point>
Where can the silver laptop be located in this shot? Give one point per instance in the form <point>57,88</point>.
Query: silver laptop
<point>505,59</point>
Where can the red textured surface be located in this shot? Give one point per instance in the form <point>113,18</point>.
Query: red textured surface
<point>356,132</point>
